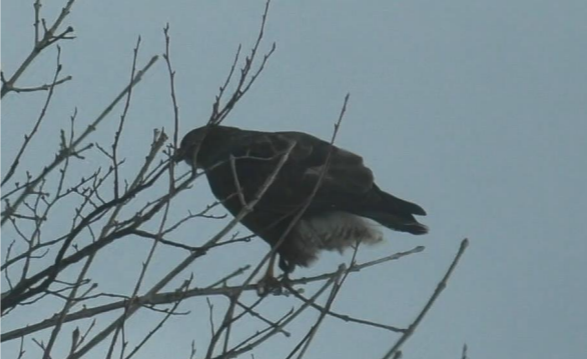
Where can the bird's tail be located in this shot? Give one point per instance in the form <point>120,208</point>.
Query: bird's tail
<point>396,214</point>
<point>404,223</point>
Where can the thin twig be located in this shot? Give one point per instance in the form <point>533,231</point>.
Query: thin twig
<point>439,288</point>
<point>48,39</point>
<point>171,71</point>
<point>219,113</point>
<point>345,317</point>
<point>44,87</point>
<point>37,6</point>
<point>123,116</point>
<point>171,297</point>
<point>464,352</point>
<point>241,349</point>
<point>33,131</point>
<point>32,184</point>
<point>145,266</point>
<point>161,323</point>
<point>314,329</point>
<point>179,268</point>
<point>24,289</point>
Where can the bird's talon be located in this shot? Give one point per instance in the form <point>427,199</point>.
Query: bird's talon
<point>269,285</point>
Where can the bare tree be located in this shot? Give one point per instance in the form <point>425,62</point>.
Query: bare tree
<point>49,274</point>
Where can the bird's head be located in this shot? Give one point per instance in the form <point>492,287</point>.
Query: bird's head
<point>191,145</point>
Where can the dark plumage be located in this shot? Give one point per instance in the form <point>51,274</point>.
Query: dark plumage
<point>335,217</point>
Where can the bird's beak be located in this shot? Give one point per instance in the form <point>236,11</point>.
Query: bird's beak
<point>179,156</point>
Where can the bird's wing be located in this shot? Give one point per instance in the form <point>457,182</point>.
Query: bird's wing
<point>253,156</point>
<point>310,162</point>
<point>266,146</point>
<point>342,171</point>
<point>332,168</point>
<point>340,174</point>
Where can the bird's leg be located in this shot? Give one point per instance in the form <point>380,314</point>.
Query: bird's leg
<point>270,272</point>
<point>287,268</point>
<point>269,284</point>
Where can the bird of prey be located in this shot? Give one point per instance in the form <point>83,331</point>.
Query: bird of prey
<point>321,198</point>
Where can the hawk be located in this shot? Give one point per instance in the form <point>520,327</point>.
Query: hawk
<point>322,198</point>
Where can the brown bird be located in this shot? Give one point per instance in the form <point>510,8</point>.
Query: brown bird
<point>323,197</point>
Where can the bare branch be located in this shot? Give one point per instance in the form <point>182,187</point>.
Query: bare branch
<point>242,348</point>
<point>48,39</point>
<point>44,87</point>
<point>161,323</point>
<point>32,184</point>
<point>439,288</point>
<point>171,297</point>
<point>179,268</point>
<point>118,133</point>
<point>33,131</point>
<point>246,80</point>
<point>53,266</point>
<point>307,340</point>
<point>167,57</point>
<point>344,317</point>
<point>24,289</point>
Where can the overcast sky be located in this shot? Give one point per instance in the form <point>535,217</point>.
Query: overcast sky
<point>476,110</point>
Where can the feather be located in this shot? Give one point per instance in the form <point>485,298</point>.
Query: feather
<point>336,217</point>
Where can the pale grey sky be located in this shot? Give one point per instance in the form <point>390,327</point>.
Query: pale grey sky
<point>477,110</point>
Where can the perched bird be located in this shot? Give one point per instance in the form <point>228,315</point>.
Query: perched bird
<point>323,197</point>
